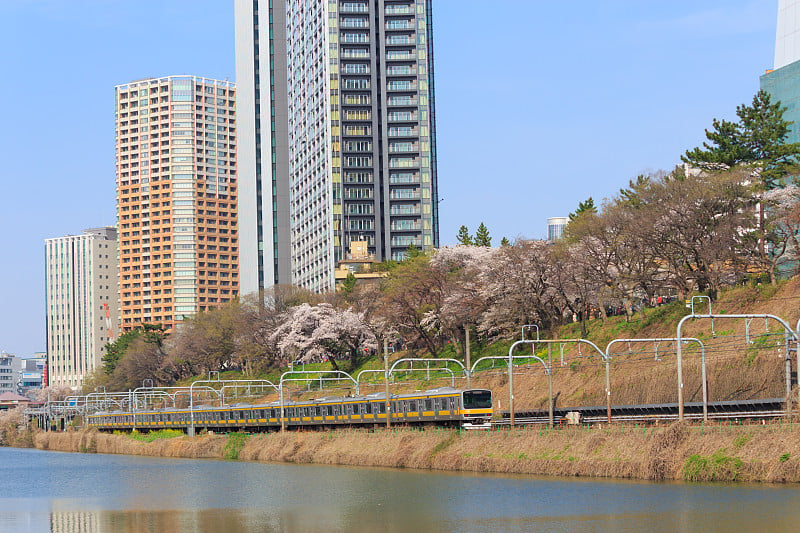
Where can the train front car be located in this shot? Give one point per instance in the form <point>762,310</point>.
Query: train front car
<point>476,408</point>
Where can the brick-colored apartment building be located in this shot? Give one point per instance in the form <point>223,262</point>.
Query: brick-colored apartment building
<point>176,197</point>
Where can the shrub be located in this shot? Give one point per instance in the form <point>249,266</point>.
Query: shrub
<point>234,446</point>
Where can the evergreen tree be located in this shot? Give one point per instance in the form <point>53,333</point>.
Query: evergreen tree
<point>505,242</point>
<point>482,237</point>
<point>632,194</point>
<point>151,333</point>
<point>464,237</point>
<point>348,284</point>
<point>413,252</point>
<point>584,207</point>
<point>757,138</point>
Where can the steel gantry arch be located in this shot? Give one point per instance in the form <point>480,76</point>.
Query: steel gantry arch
<point>673,339</point>
<point>712,316</point>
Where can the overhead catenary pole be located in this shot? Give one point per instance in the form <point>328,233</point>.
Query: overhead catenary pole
<point>467,355</point>
<point>794,333</point>
<point>386,383</point>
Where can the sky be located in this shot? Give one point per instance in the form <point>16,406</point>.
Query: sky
<point>539,105</point>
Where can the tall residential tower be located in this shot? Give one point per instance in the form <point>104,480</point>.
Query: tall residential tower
<point>263,156</point>
<point>360,127</point>
<point>176,197</point>
<point>82,311</point>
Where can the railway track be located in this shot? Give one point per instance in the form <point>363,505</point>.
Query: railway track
<point>725,410</point>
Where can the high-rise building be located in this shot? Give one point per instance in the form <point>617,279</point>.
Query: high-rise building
<point>361,127</point>
<point>783,82</point>
<point>555,227</point>
<point>263,154</point>
<point>176,198</point>
<point>787,33</point>
<point>81,283</point>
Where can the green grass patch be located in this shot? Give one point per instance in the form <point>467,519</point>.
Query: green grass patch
<point>741,440</point>
<point>234,446</point>
<point>153,435</point>
<point>785,457</point>
<point>716,467</point>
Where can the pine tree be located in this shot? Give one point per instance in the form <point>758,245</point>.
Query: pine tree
<point>584,207</point>
<point>413,251</point>
<point>464,237</point>
<point>757,138</point>
<point>348,284</point>
<point>505,242</point>
<point>482,237</point>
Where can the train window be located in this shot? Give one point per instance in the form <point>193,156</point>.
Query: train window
<point>412,405</point>
<point>428,405</point>
<point>477,399</point>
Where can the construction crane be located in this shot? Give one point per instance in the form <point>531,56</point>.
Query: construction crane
<point>108,322</point>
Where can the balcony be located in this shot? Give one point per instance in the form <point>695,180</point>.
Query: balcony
<point>353,7</point>
<point>401,55</point>
<point>401,24</point>
<point>400,70</point>
<point>401,85</point>
<point>403,162</point>
<point>403,147</point>
<point>406,241</point>
<point>400,40</point>
<point>404,210</point>
<point>399,10</point>
<point>406,225</point>
<point>400,178</point>
<point>402,116</point>
<point>402,101</point>
<point>347,22</point>
<point>403,131</point>
<point>404,194</point>
<point>355,53</point>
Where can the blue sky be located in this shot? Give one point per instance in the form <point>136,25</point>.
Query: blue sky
<point>540,105</point>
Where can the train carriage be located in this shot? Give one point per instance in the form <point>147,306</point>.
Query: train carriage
<point>445,406</point>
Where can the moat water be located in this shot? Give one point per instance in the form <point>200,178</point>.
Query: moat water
<point>67,492</point>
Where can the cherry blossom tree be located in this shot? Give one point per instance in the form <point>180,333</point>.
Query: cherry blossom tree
<point>314,333</point>
<point>518,288</point>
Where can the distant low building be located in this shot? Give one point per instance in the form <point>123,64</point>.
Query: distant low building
<point>9,400</point>
<point>7,382</point>
<point>30,375</point>
<point>360,263</point>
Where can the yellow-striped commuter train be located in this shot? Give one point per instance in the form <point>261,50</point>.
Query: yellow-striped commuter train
<point>444,406</point>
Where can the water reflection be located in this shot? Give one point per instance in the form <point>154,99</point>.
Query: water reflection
<point>59,492</point>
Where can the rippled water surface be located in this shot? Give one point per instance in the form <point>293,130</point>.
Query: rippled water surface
<point>65,492</point>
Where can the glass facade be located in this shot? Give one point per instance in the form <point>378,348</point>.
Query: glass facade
<point>783,85</point>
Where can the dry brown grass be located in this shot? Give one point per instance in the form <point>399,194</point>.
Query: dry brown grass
<point>769,453</point>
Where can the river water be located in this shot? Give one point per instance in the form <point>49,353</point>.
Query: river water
<point>66,492</point>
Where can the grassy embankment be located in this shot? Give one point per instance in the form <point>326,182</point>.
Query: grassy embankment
<point>768,453</point>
